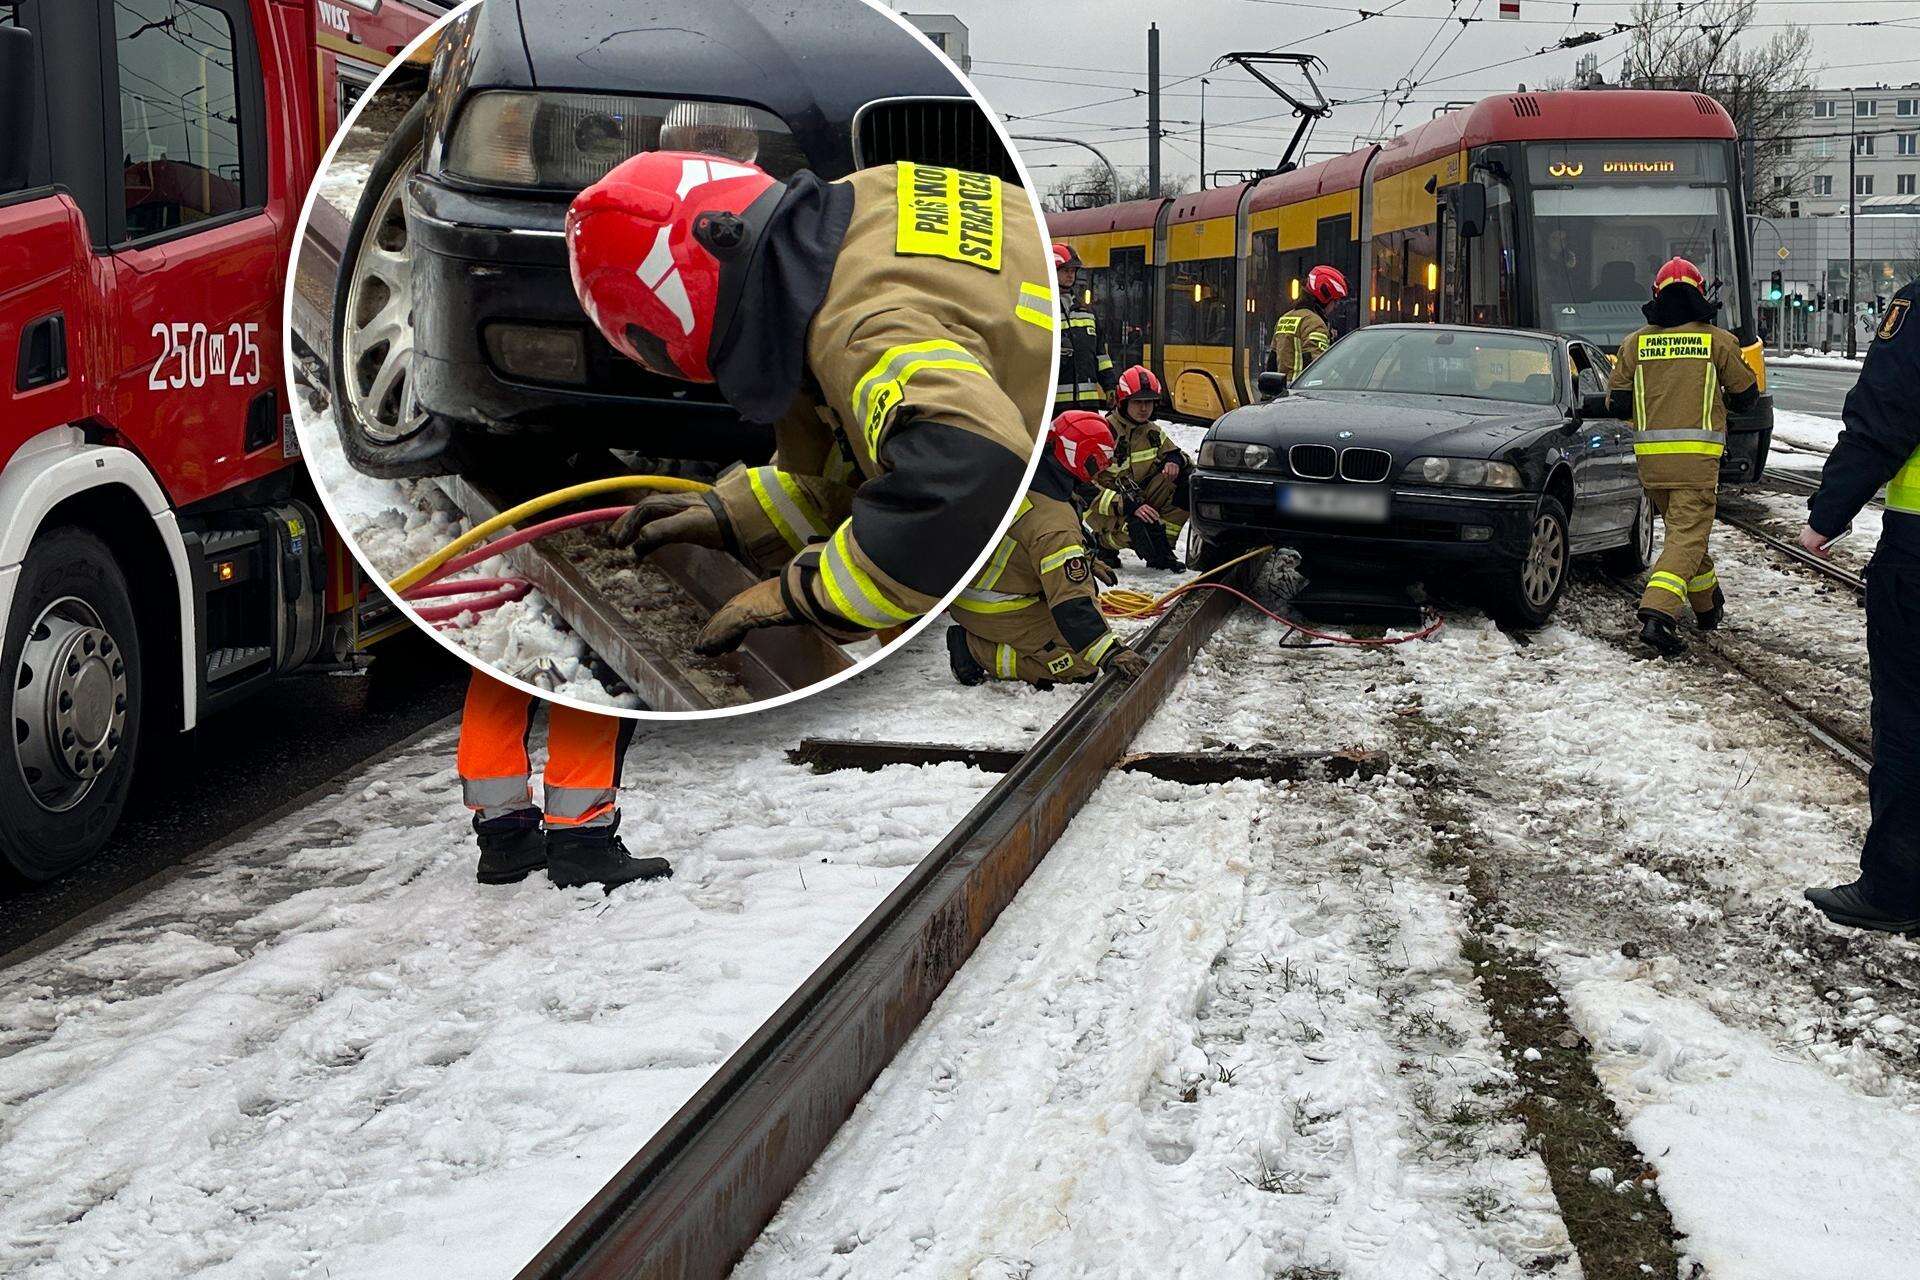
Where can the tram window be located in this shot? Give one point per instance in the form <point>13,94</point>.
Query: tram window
<point>1200,303</point>
<point>1405,275</point>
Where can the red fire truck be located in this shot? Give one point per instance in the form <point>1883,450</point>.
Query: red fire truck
<point>161,553</point>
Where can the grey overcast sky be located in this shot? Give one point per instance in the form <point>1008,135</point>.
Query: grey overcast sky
<point>1058,67</point>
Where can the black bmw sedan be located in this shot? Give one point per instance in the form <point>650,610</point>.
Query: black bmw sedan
<point>454,314</point>
<point>1439,451</point>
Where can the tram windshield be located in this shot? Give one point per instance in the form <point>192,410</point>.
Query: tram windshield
<point>1605,216</point>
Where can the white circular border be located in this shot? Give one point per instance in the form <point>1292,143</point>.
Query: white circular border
<point>714,713</point>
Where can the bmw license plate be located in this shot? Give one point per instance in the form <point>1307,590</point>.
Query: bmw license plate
<point>1359,503</point>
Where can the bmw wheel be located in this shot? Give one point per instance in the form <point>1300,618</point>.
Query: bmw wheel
<point>382,428</point>
<point>1631,560</point>
<point>1526,593</point>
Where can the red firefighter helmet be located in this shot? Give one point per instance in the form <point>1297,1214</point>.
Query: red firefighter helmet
<point>1326,285</point>
<point>1064,256</point>
<point>1137,381</point>
<point>644,247</point>
<point>1679,271</point>
<point>1082,442</point>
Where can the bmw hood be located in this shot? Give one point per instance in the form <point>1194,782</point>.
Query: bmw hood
<point>809,64</point>
<point>1454,426</point>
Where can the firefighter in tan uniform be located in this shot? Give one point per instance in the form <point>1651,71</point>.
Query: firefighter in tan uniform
<point>1302,335</point>
<point>1676,378</point>
<point>1033,612</point>
<point>894,326</point>
<point>1141,500</point>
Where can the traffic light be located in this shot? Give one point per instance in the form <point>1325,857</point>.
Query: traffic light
<point>1774,288</point>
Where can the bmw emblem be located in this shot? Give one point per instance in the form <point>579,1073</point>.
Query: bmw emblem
<point>1346,435</point>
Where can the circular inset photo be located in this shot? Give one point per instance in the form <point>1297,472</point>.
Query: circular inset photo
<point>672,362</point>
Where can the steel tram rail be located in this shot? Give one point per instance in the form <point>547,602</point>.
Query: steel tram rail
<point>698,1194</point>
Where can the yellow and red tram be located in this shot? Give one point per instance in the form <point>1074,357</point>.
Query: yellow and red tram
<point>1537,210</point>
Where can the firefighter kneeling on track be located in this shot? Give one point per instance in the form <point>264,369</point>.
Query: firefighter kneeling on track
<point>1141,500</point>
<point>1033,613</point>
<point>1676,378</point>
<point>894,326</point>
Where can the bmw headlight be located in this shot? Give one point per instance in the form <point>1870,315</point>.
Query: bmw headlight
<point>569,141</point>
<point>1466,473</point>
<point>1235,457</point>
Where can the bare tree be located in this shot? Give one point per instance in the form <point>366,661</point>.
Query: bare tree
<point>1086,187</point>
<point>1764,86</point>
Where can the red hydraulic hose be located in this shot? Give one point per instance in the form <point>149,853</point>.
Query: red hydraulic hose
<point>497,591</point>
<point>475,595</point>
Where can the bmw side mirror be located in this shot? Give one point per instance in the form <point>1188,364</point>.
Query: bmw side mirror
<point>16,107</point>
<point>1592,406</point>
<point>1272,385</point>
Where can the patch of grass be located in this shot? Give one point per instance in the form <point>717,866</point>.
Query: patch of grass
<point>1265,1177</point>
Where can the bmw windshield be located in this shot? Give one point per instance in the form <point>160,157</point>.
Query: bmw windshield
<point>1438,362</point>
<point>1606,215</point>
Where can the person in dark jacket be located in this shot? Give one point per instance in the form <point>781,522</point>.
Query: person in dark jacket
<point>1086,378</point>
<point>1880,444</point>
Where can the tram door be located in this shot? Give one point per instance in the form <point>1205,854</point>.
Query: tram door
<point>1334,245</point>
<point>1125,307</point>
<point>1455,305</point>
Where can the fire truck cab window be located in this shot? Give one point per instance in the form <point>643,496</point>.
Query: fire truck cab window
<point>180,140</point>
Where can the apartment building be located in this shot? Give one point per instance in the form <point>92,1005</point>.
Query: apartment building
<point>1880,124</point>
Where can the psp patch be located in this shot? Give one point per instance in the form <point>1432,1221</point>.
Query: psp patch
<point>1077,569</point>
<point>948,213</point>
<point>1060,665</point>
<point>1896,316</point>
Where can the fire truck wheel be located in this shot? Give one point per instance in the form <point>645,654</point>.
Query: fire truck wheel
<point>72,657</point>
<point>383,430</point>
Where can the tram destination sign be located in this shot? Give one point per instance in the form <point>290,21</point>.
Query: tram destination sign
<point>1588,163</point>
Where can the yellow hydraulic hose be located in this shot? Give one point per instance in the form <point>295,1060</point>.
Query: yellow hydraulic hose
<point>1124,602</point>
<point>534,506</point>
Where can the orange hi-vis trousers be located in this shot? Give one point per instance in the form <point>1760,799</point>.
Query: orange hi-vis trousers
<point>584,752</point>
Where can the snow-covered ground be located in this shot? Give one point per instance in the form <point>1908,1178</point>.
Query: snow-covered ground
<point>1225,1030</point>
<point>1808,358</point>
<point>1804,433</point>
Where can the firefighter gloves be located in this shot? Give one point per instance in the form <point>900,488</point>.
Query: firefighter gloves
<point>761,605</point>
<point>669,517</point>
<point>1128,663</point>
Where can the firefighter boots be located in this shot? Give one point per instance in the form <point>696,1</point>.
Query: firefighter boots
<point>511,846</point>
<point>1149,539</point>
<point>966,668</point>
<point>595,855</point>
<point>1657,633</point>
<point>1709,620</point>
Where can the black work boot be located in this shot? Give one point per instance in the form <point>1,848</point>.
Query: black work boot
<point>1845,904</point>
<point>595,855</point>
<point>1658,634</point>
<point>1150,544</point>
<point>966,668</point>
<point>1710,620</point>
<point>511,846</point>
